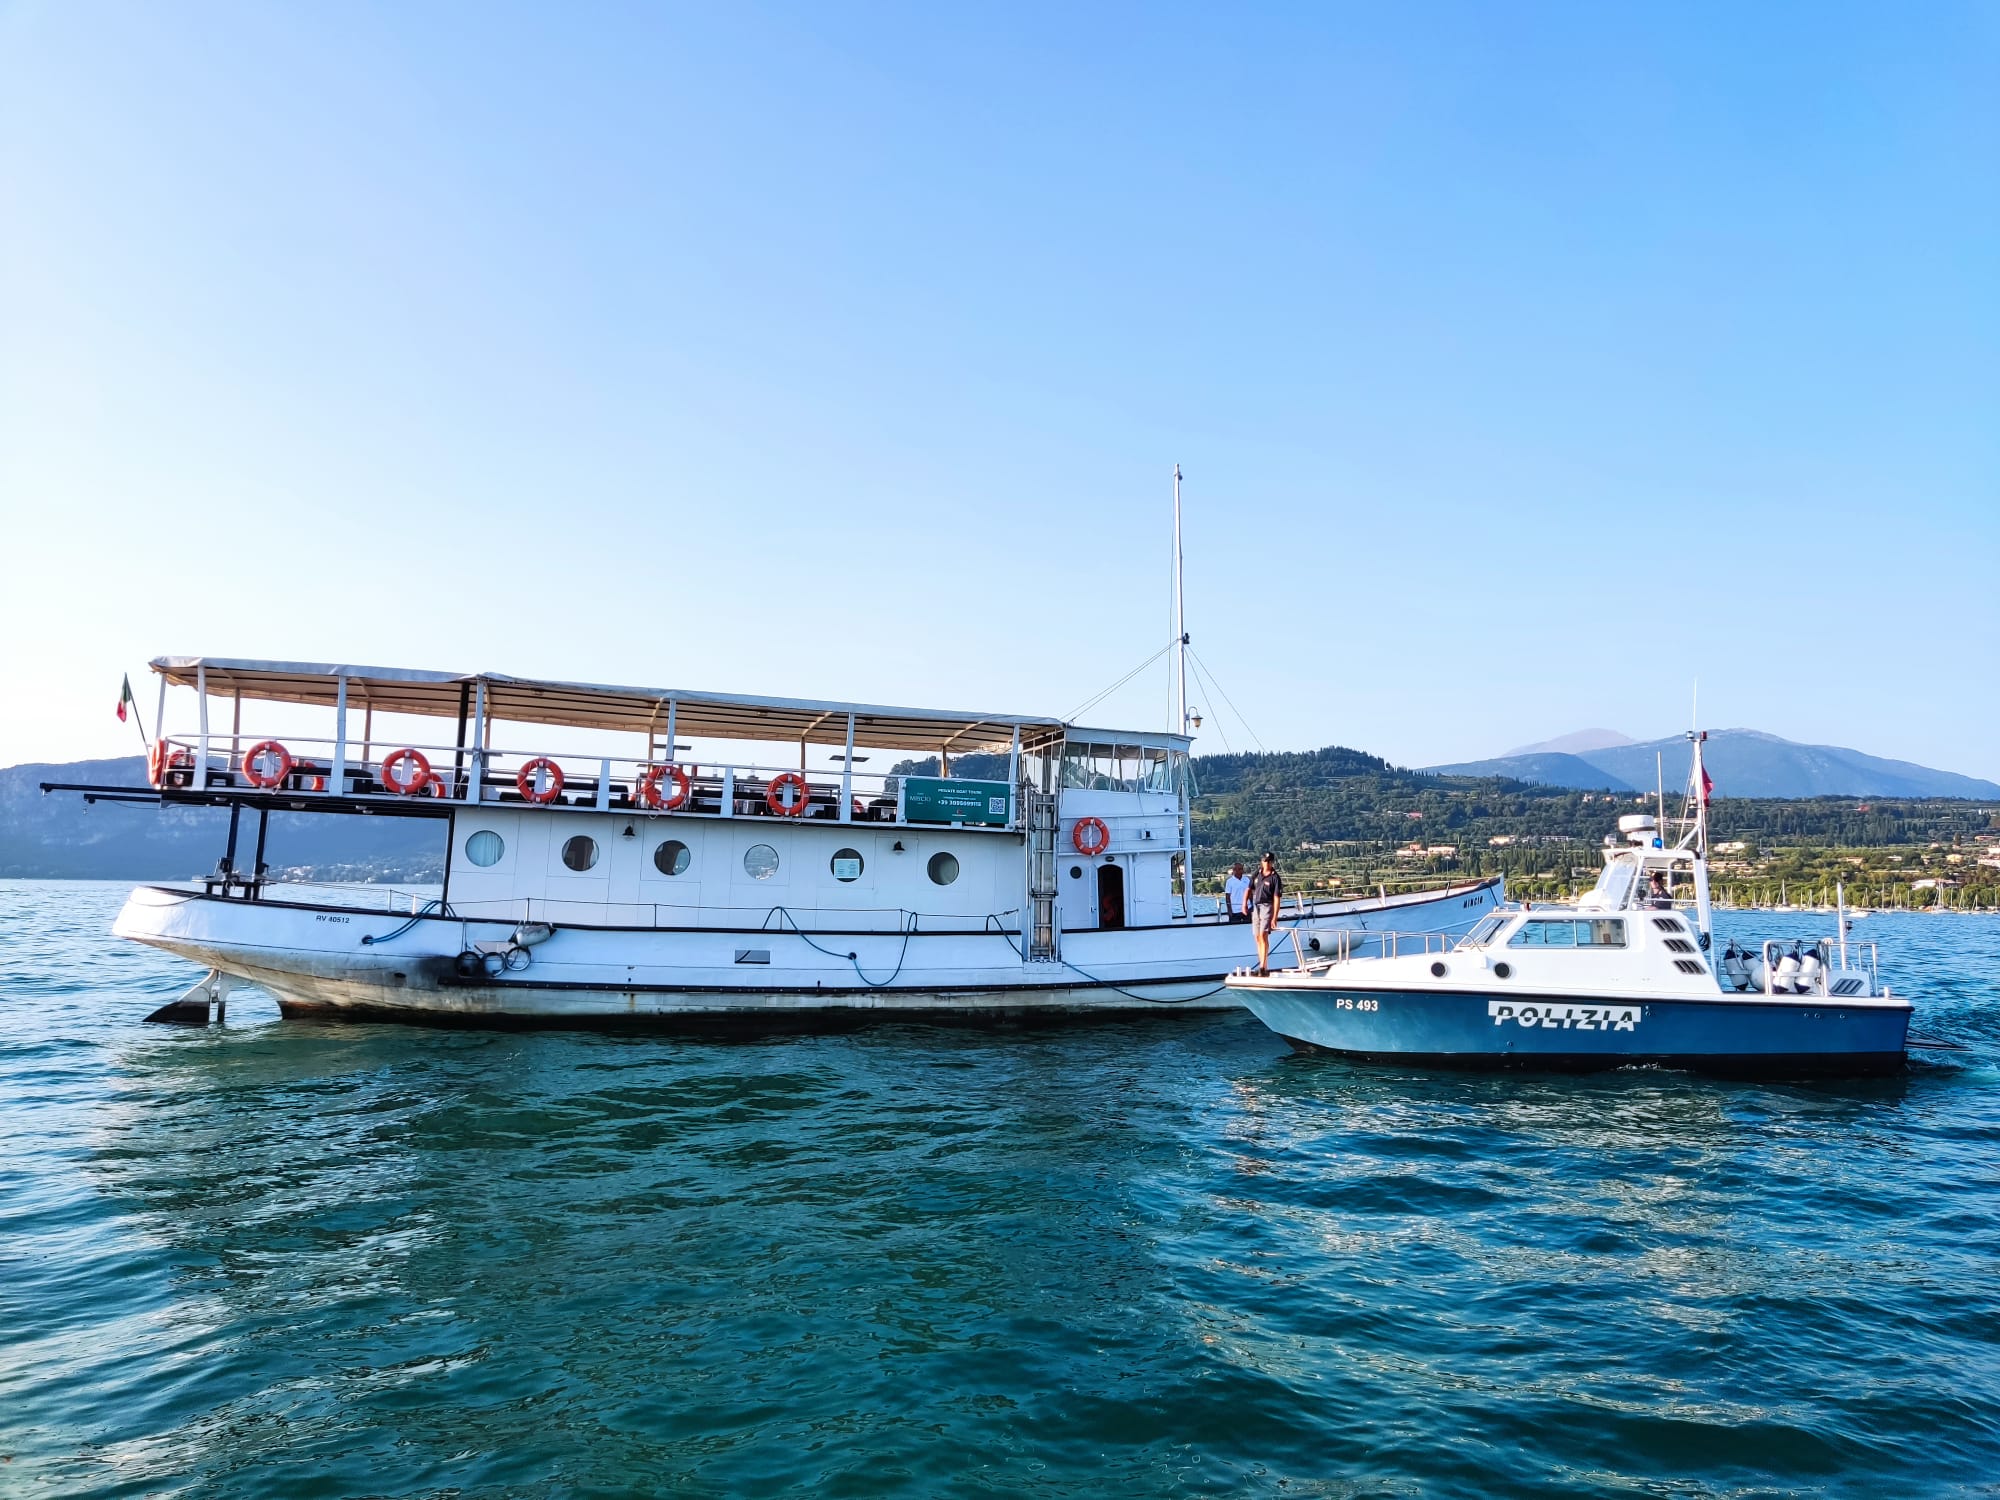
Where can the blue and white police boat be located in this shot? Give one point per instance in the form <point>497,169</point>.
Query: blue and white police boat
<point>1624,976</point>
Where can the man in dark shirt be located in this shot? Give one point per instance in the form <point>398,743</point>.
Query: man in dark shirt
<point>1267,889</point>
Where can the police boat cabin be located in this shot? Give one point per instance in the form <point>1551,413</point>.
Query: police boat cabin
<point>619,854</point>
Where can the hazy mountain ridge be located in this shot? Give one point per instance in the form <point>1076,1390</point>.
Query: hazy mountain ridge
<point>1581,742</point>
<point>60,836</point>
<point>1543,768</point>
<point>1743,763</point>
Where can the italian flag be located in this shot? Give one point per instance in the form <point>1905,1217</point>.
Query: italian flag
<point>125,697</point>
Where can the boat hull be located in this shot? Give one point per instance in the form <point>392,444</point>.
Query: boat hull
<point>339,963</point>
<point>1572,1033</point>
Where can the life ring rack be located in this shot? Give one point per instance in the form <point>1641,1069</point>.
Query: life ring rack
<point>776,803</point>
<point>262,780</point>
<point>648,788</point>
<point>419,781</point>
<point>1090,836</point>
<point>525,779</point>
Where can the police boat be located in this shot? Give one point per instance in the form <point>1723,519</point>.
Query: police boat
<point>1623,976</point>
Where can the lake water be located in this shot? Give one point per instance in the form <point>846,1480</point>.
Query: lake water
<point>1156,1257</point>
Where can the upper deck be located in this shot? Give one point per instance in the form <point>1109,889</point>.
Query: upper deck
<point>650,750</point>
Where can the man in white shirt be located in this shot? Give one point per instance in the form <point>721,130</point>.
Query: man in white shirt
<point>1236,894</point>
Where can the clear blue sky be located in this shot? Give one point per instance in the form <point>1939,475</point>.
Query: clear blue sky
<point>845,351</point>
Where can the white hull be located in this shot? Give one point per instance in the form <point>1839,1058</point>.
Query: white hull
<point>314,961</point>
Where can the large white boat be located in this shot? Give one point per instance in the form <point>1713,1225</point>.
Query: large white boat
<point>692,855</point>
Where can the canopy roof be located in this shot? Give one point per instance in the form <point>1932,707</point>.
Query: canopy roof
<point>586,705</point>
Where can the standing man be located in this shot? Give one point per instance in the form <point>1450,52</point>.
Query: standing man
<point>1267,889</point>
<point>1236,894</point>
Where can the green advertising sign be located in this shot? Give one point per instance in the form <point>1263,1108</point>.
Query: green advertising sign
<point>951,799</point>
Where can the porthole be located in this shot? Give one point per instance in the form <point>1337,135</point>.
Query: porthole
<point>1502,971</point>
<point>671,858</point>
<point>484,848</point>
<point>1076,872</point>
<point>760,861</point>
<point>846,864</point>
<point>1438,971</point>
<point>579,853</point>
<point>943,868</point>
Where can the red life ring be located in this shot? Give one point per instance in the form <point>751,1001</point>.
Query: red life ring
<point>439,785</point>
<point>418,781</point>
<point>788,778</point>
<point>156,763</point>
<point>257,752</point>
<point>1090,836</point>
<point>310,776</point>
<point>525,781</point>
<point>648,789</point>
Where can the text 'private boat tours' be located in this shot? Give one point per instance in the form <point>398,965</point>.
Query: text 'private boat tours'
<point>691,855</point>
<point>1620,977</point>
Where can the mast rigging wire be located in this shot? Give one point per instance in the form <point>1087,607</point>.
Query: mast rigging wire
<point>1202,666</point>
<point>1090,703</point>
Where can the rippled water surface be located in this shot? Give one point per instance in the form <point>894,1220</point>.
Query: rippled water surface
<point>1147,1258</point>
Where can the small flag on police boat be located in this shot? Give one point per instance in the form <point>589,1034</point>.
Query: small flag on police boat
<point>125,697</point>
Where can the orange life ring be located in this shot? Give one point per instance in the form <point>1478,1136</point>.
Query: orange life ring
<point>788,778</point>
<point>525,780</point>
<point>440,785</point>
<point>648,789</point>
<point>417,782</point>
<point>1090,836</point>
<point>257,752</point>
<point>310,776</point>
<point>156,763</point>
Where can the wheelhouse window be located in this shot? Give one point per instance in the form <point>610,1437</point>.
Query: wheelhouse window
<point>1592,932</point>
<point>1119,768</point>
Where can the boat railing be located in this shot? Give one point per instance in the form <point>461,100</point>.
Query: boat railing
<point>302,768</point>
<point>1344,944</point>
<point>1840,962</point>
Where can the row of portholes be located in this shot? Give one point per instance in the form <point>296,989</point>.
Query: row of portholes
<point>672,857</point>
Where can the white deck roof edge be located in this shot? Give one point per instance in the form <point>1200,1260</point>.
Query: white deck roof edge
<point>606,706</point>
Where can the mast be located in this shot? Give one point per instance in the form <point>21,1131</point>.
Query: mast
<point>1180,724</point>
<point>1181,711</point>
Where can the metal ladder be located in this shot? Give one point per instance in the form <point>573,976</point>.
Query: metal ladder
<point>1042,939</point>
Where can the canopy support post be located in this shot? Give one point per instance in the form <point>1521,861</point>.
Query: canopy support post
<point>477,790</point>
<point>673,746</point>
<point>847,776</point>
<point>1014,779</point>
<point>339,782</point>
<point>201,756</point>
<point>160,716</point>
<point>458,759</point>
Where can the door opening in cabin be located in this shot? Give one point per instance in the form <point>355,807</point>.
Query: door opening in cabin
<point>1110,897</point>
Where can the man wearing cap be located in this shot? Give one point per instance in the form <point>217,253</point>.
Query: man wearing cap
<point>1267,889</point>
